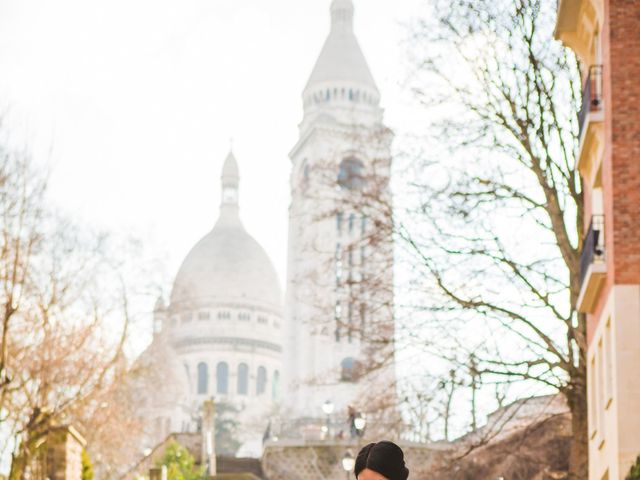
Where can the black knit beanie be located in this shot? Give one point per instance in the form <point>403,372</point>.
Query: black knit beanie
<point>385,458</point>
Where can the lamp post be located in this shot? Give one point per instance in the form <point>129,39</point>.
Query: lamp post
<point>360,423</point>
<point>348,463</point>
<point>327,408</point>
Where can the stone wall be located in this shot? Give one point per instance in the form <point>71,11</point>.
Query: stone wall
<point>323,460</point>
<point>64,454</point>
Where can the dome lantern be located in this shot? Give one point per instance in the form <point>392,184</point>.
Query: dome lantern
<point>342,15</point>
<point>230,182</point>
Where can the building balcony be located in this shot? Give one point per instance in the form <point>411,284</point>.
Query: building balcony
<point>576,25</point>
<point>593,267</point>
<point>591,127</point>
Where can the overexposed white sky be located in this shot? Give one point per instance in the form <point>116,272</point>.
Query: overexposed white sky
<point>133,104</point>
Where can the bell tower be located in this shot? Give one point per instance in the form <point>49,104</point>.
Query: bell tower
<point>339,304</point>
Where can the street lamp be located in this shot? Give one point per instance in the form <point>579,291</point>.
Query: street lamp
<point>360,422</point>
<point>327,408</point>
<point>348,463</point>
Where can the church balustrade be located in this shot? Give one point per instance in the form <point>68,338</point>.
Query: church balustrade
<point>233,341</point>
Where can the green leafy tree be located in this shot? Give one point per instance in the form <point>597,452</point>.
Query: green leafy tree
<point>634,473</point>
<point>227,442</point>
<point>180,463</point>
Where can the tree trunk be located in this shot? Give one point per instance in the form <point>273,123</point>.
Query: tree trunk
<point>579,452</point>
<point>18,466</point>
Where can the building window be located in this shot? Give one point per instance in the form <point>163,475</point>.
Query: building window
<point>593,408</point>
<point>363,225</point>
<point>608,351</point>
<point>243,379</point>
<point>338,316</point>
<point>222,378</point>
<point>352,221</point>
<point>275,385</point>
<point>224,315</point>
<point>203,378</point>
<point>261,383</point>
<point>263,319</point>
<point>339,222</point>
<point>350,320</point>
<point>245,317</point>
<point>204,316</point>
<point>351,173</point>
<point>363,312</point>
<point>600,388</point>
<point>348,368</point>
<point>338,265</point>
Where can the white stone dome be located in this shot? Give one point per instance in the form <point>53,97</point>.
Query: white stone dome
<point>227,265</point>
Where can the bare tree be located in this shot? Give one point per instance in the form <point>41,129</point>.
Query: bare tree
<point>64,318</point>
<point>495,241</point>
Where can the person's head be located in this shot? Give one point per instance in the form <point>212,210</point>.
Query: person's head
<point>381,461</point>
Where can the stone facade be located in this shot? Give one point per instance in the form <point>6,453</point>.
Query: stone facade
<point>321,461</point>
<point>61,458</point>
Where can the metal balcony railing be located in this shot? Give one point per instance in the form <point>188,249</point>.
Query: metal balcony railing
<point>592,246</point>
<point>591,96</point>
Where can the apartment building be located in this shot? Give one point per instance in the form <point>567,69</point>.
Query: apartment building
<point>605,35</point>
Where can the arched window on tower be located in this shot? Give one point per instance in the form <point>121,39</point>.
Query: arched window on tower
<point>243,379</point>
<point>261,382</point>
<point>351,173</point>
<point>222,378</point>
<point>348,370</point>
<point>338,315</point>
<point>275,385</point>
<point>203,378</point>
